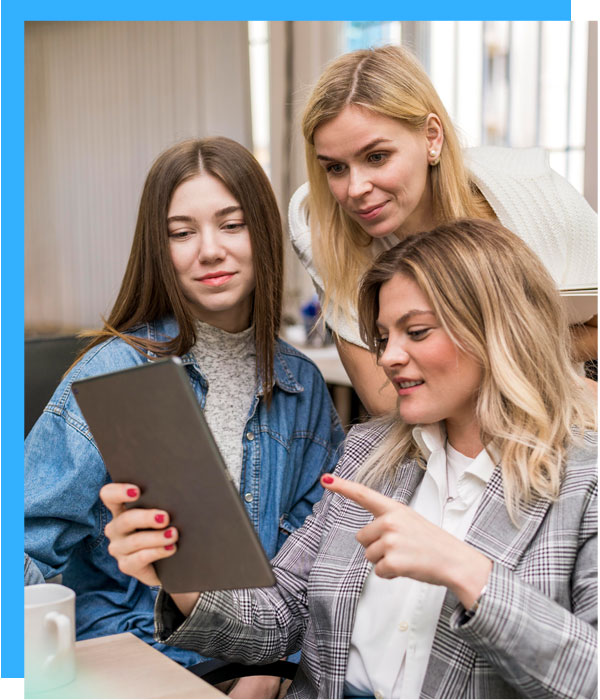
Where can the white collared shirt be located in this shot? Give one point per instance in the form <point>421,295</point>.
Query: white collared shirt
<point>396,618</point>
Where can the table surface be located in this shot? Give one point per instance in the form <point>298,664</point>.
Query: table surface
<point>122,666</point>
<point>328,361</point>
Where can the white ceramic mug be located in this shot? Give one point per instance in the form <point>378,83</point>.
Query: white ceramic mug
<point>49,636</point>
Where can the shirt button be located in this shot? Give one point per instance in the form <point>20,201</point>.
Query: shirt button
<point>248,498</point>
<point>250,435</point>
<point>403,626</point>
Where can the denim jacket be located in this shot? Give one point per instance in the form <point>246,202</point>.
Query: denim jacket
<point>286,449</point>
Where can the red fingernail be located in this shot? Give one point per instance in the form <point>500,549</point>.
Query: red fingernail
<point>168,533</point>
<point>327,479</point>
<point>169,546</point>
<point>159,517</point>
<point>132,492</point>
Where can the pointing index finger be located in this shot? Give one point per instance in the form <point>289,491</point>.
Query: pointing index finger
<point>371,500</point>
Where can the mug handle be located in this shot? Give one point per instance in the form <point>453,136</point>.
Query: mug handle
<point>63,630</point>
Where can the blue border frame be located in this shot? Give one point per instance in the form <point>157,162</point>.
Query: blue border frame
<point>12,306</point>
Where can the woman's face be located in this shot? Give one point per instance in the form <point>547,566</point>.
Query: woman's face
<point>377,170</point>
<point>211,251</point>
<point>434,379</point>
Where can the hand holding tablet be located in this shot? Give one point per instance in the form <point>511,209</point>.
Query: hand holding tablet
<point>152,436</point>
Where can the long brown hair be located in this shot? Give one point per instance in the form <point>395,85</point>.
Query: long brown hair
<point>150,290</point>
<point>498,303</point>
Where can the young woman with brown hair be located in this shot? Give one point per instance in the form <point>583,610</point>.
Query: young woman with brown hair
<point>204,282</point>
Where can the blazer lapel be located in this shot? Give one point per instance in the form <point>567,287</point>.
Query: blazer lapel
<point>493,533</point>
<point>409,477</point>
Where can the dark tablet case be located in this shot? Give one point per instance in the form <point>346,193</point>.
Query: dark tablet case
<point>150,430</point>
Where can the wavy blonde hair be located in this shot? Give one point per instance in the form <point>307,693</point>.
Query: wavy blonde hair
<point>389,81</point>
<point>497,302</point>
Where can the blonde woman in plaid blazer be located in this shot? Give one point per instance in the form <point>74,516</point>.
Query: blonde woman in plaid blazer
<point>461,318</point>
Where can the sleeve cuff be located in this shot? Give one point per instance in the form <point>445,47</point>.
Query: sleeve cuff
<point>167,616</point>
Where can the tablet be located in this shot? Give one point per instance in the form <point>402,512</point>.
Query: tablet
<point>150,430</point>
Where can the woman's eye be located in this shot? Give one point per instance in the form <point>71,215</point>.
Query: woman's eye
<point>233,227</point>
<point>418,333</point>
<point>180,234</point>
<point>377,158</point>
<point>381,344</point>
<point>335,168</point>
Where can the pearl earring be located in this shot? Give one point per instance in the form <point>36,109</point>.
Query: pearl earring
<point>435,158</point>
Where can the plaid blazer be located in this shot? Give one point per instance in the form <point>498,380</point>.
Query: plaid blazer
<point>533,635</point>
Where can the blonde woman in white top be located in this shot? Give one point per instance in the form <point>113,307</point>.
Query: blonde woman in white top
<point>384,162</point>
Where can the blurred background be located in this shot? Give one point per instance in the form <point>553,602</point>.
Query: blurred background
<point>103,99</point>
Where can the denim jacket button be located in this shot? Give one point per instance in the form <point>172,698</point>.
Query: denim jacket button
<point>250,435</point>
<point>248,498</point>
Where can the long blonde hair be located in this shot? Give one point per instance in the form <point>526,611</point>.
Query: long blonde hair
<point>389,81</point>
<point>496,300</point>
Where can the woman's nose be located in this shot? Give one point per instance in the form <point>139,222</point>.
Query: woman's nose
<point>394,355</point>
<point>359,184</point>
<point>211,247</point>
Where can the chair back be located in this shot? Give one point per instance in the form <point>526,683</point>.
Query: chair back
<point>46,360</point>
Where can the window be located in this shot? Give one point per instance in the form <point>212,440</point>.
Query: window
<point>503,83</point>
<point>258,38</point>
<point>362,35</point>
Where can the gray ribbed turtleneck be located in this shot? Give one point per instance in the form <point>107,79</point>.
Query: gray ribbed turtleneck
<point>228,362</point>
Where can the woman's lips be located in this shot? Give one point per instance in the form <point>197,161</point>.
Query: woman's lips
<point>371,213</point>
<point>216,280</point>
<point>406,387</point>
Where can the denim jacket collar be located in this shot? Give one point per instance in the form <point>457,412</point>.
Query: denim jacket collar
<point>284,377</point>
